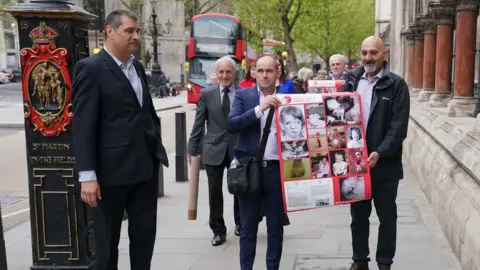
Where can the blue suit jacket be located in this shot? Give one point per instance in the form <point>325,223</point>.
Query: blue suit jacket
<point>242,120</point>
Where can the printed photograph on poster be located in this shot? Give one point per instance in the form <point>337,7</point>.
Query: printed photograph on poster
<point>357,162</point>
<point>294,149</point>
<point>355,138</point>
<point>315,116</point>
<point>294,169</point>
<point>336,137</point>
<point>342,110</point>
<point>352,188</point>
<point>292,122</point>
<point>339,163</point>
<point>320,165</point>
<point>317,140</point>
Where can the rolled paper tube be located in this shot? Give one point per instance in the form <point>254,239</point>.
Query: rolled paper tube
<point>193,175</point>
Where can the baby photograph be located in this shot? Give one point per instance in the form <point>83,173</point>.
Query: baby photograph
<point>342,110</point>
<point>315,116</point>
<point>336,137</point>
<point>294,150</point>
<point>320,165</point>
<point>352,188</point>
<point>339,163</point>
<point>317,139</point>
<point>294,169</point>
<point>354,137</point>
<point>357,162</point>
<point>292,122</point>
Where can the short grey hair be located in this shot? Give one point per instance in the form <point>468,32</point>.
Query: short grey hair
<point>114,19</point>
<point>227,59</point>
<point>337,56</point>
<point>303,74</point>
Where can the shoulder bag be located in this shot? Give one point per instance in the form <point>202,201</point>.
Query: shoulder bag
<point>245,179</point>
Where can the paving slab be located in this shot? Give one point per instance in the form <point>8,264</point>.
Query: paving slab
<point>316,239</point>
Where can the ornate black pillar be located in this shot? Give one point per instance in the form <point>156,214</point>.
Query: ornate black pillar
<point>53,36</point>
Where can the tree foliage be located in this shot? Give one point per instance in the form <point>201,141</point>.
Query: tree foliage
<point>196,7</point>
<point>338,27</point>
<point>276,19</point>
<point>321,27</point>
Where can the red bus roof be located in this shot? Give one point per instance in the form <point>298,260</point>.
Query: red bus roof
<point>215,15</point>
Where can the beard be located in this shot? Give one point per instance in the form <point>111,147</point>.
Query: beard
<point>370,67</point>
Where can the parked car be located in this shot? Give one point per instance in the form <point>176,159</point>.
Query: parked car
<point>4,78</point>
<point>16,75</point>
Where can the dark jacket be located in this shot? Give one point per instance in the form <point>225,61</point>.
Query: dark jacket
<point>388,121</point>
<point>112,134</point>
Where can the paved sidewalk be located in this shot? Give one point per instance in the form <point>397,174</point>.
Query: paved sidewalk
<point>12,116</point>
<point>317,239</point>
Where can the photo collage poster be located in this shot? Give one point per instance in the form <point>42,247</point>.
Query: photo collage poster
<point>322,150</point>
<point>325,86</point>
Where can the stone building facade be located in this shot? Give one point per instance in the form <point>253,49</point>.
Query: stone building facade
<point>434,45</point>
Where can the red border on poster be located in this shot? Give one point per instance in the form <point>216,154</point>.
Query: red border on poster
<point>343,146</point>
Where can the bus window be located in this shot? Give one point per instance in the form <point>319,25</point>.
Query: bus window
<point>215,27</point>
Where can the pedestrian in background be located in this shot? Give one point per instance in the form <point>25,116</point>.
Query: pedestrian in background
<point>249,77</point>
<point>301,80</point>
<point>217,151</point>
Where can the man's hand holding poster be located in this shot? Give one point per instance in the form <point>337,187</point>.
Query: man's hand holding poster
<point>323,154</point>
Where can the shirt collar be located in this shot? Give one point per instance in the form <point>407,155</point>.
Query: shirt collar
<point>231,87</point>
<point>260,92</point>
<point>120,63</point>
<point>378,75</point>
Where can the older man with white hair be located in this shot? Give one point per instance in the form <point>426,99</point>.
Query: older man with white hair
<point>217,151</point>
<point>337,65</point>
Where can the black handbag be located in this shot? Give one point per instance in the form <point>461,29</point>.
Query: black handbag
<point>245,179</point>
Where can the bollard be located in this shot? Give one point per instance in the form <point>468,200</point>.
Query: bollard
<point>3,250</point>
<point>181,174</point>
<point>160,169</point>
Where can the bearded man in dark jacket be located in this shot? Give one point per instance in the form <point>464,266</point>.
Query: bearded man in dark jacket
<point>386,109</point>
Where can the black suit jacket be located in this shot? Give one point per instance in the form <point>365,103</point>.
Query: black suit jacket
<point>112,134</point>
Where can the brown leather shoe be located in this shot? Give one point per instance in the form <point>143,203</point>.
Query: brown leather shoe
<point>384,267</point>
<point>359,266</point>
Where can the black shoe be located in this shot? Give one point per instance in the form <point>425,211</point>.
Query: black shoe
<point>359,266</point>
<point>237,230</point>
<point>384,267</point>
<point>218,239</point>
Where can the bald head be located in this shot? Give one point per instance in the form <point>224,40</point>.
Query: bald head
<point>374,41</point>
<point>373,55</point>
<point>267,73</point>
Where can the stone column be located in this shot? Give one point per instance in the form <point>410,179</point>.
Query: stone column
<point>463,101</point>
<point>444,14</point>
<point>410,57</point>
<point>430,39</point>
<point>418,69</point>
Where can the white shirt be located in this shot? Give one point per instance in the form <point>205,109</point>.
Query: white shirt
<point>271,150</point>
<point>132,76</point>
<point>365,89</point>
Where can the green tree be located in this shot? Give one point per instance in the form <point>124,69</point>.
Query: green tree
<point>196,7</point>
<point>275,18</point>
<point>339,27</point>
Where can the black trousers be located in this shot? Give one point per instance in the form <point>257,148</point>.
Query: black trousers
<point>215,197</point>
<point>140,202</point>
<point>384,195</point>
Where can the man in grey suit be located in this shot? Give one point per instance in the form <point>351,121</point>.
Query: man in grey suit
<point>217,152</point>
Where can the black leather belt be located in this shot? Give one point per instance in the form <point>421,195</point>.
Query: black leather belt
<point>269,163</point>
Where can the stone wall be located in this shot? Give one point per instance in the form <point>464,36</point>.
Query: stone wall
<point>444,154</point>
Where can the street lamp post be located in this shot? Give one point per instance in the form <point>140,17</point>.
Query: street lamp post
<point>155,33</point>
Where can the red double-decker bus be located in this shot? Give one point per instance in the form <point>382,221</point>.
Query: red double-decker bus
<point>212,36</point>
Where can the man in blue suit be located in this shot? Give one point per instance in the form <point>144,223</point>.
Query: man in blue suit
<point>248,117</point>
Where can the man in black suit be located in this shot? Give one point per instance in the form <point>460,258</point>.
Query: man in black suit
<point>217,151</point>
<point>117,145</point>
